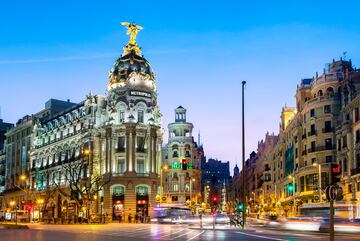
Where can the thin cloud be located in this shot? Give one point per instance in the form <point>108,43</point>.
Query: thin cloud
<point>71,58</point>
<point>55,59</point>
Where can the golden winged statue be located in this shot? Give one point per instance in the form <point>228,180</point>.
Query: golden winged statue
<point>132,30</point>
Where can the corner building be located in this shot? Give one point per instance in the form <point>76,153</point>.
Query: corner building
<point>118,136</point>
<point>180,186</point>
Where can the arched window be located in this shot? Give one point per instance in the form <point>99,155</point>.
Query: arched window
<point>175,151</point>
<point>187,151</point>
<point>142,190</point>
<point>320,93</point>
<point>187,187</point>
<point>117,190</point>
<point>330,91</point>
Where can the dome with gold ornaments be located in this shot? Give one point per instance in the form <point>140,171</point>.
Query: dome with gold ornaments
<point>131,69</point>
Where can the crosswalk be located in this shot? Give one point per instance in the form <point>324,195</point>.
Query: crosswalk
<point>133,232</point>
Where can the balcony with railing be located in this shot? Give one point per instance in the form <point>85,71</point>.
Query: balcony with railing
<point>325,148</point>
<point>312,133</point>
<point>327,130</point>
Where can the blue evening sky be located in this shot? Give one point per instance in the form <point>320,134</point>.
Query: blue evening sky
<point>200,50</point>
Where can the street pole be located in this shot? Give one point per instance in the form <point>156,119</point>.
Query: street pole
<point>332,234</point>
<point>161,185</point>
<point>243,158</point>
<point>320,191</point>
<point>294,197</point>
<point>190,190</point>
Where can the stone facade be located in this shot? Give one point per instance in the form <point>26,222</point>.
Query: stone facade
<point>101,156</point>
<point>321,130</point>
<point>181,186</point>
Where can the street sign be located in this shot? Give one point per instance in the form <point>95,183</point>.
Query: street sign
<point>163,198</point>
<point>331,192</point>
<point>157,198</point>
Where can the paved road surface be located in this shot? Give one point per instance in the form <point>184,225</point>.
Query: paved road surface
<point>140,232</point>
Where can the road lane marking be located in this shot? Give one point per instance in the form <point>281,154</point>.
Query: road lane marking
<point>196,235</point>
<point>259,236</point>
<point>183,234</point>
<point>172,233</point>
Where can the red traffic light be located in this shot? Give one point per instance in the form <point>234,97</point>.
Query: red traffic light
<point>184,164</point>
<point>336,168</point>
<point>215,198</point>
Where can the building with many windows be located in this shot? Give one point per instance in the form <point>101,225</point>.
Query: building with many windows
<point>181,174</point>
<point>320,131</point>
<point>216,182</point>
<point>4,127</point>
<point>99,157</point>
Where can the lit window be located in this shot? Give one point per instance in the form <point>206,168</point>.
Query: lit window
<point>141,116</point>
<point>122,116</point>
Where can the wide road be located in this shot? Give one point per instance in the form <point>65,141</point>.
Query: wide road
<point>133,232</point>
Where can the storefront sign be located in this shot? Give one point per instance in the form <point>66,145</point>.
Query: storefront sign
<point>178,165</point>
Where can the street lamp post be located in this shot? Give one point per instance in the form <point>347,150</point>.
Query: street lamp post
<point>191,187</point>
<point>243,157</point>
<point>12,204</point>
<point>163,168</point>
<point>293,191</point>
<point>25,189</point>
<point>319,180</point>
<point>40,203</point>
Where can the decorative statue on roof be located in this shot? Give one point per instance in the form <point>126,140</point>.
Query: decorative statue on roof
<point>132,31</point>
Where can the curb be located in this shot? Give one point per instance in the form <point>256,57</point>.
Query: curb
<point>13,226</point>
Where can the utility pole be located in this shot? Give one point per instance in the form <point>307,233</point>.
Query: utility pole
<point>243,158</point>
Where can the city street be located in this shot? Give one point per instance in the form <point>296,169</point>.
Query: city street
<point>130,232</point>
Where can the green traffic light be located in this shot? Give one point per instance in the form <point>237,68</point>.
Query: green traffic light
<point>240,207</point>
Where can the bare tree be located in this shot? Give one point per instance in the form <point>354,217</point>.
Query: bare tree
<point>80,183</point>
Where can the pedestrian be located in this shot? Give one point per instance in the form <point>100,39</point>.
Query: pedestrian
<point>129,217</point>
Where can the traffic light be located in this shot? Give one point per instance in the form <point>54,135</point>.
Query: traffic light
<point>239,207</point>
<point>215,199</point>
<point>29,207</point>
<point>184,164</point>
<point>335,173</point>
<point>290,187</point>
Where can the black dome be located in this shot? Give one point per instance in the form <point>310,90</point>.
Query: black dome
<point>127,64</point>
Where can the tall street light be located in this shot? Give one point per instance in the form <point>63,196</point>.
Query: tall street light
<point>319,180</point>
<point>12,204</point>
<point>293,192</point>
<point>191,188</point>
<point>24,189</point>
<point>163,168</point>
<point>243,156</point>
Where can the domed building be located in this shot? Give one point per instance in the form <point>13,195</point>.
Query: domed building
<point>112,143</point>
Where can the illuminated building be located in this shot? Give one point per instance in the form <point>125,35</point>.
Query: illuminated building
<point>101,156</point>
<point>181,163</point>
<point>215,176</point>
<point>321,130</point>
<point>348,141</point>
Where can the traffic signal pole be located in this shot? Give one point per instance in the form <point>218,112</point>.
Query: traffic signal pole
<point>243,159</point>
<point>331,231</point>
